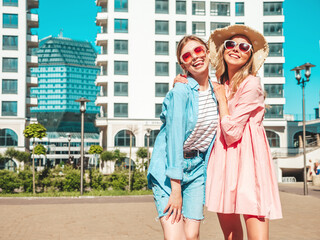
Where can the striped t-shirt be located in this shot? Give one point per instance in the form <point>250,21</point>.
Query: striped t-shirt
<point>206,126</point>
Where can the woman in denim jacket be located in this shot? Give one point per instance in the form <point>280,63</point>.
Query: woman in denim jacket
<point>178,164</point>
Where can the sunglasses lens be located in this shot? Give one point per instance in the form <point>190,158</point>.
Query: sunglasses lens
<point>199,50</point>
<point>186,57</point>
<point>230,44</point>
<point>244,47</point>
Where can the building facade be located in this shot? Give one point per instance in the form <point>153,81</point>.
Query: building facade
<point>138,61</point>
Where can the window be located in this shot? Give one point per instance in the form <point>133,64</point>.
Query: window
<point>181,28</point>
<point>122,139</point>
<point>120,67</point>
<point>121,110</point>
<point>273,70</point>
<point>181,7</point>
<point>9,42</point>
<point>10,20</point>
<point>179,70</point>
<point>162,69</point>
<point>8,138</point>
<point>9,64</point>
<point>239,8</point>
<point>9,108</point>
<point>152,138</point>
<point>158,110</point>
<point>220,9</point>
<point>274,111</point>
<point>272,8</point>
<point>162,89</point>
<point>272,29</point>
<point>215,25</point>
<point>12,3</point>
<point>162,27</point>
<point>274,90</point>
<point>121,5</point>
<point>121,46</point>
<point>162,6</point>
<point>162,48</point>
<point>199,28</point>
<point>199,8</point>
<point>120,25</point>
<point>9,86</point>
<point>120,89</point>
<point>273,139</point>
<point>275,50</point>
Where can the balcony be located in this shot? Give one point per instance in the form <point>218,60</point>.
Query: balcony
<point>101,100</point>
<point>101,80</point>
<point>32,60</point>
<point>102,3</point>
<point>32,101</point>
<point>101,122</point>
<point>102,39</point>
<point>102,60</point>
<point>33,4</point>
<point>102,18</point>
<point>32,81</point>
<point>32,40</point>
<point>32,20</point>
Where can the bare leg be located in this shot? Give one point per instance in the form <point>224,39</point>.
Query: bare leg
<point>172,231</point>
<point>231,226</point>
<point>257,228</point>
<point>191,229</point>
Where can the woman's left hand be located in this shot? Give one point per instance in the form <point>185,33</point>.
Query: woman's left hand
<point>219,91</point>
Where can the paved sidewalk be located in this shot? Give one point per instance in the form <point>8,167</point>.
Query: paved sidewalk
<point>133,218</point>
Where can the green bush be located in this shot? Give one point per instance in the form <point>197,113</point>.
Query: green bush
<point>119,180</point>
<point>96,180</point>
<point>9,181</point>
<point>26,179</point>
<point>139,180</point>
<point>72,180</point>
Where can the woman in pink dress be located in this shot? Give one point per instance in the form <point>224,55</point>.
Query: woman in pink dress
<point>240,174</point>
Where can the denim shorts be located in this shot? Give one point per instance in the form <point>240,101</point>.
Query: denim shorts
<point>192,190</point>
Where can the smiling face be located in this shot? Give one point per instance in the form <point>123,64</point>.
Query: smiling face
<point>235,58</point>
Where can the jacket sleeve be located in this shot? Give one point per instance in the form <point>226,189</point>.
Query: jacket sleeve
<point>175,130</point>
<point>251,99</point>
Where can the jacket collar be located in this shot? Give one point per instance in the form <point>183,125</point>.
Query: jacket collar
<point>193,83</point>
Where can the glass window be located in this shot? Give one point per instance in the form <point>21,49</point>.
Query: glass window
<point>121,110</point>
<point>199,8</point>
<point>199,28</point>
<point>215,25</point>
<point>120,89</point>
<point>10,42</point>
<point>274,90</point>
<point>179,70</point>
<point>273,70</point>
<point>158,110</point>
<point>152,138</point>
<point>272,8</point>
<point>239,8</point>
<point>220,9</point>
<point>275,50</point>
<point>162,69</point>
<point>162,48</point>
<point>10,20</point>
<point>122,139</point>
<point>120,67</point>
<point>9,108</point>
<point>9,86</point>
<point>274,111</point>
<point>162,6</point>
<point>181,28</point>
<point>121,46</point>
<point>162,89</point>
<point>121,5</point>
<point>162,27</point>
<point>13,3</point>
<point>120,25</point>
<point>8,137</point>
<point>273,139</point>
<point>181,7</point>
<point>10,64</point>
<point>272,29</point>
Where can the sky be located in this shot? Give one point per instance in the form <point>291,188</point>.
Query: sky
<point>76,19</point>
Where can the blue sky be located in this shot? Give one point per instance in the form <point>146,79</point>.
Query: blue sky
<point>301,31</point>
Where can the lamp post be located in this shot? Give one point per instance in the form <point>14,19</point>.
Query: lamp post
<point>82,102</point>
<point>69,140</point>
<point>148,143</point>
<point>301,81</point>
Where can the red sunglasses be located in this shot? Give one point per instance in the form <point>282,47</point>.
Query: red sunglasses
<point>244,47</point>
<point>199,51</point>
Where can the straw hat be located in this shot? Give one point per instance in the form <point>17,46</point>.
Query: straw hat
<point>259,43</point>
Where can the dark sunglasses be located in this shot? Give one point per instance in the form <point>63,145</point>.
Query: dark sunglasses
<point>199,51</point>
<point>244,47</point>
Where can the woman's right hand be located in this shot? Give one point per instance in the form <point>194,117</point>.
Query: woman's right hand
<point>180,78</point>
<point>174,206</point>
<point>219,92</point>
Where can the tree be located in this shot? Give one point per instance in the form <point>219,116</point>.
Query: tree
<point>106,156</point>
<point>40,150</point>
<point>142,153</point>
<point>34,130</point>
<point>96,150</point>
<point>119,156</point>
<point>11,152</point>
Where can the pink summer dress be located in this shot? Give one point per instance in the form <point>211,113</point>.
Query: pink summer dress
<point>240,173</point>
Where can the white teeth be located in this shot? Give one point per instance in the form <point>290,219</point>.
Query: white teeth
<point>235,56</point>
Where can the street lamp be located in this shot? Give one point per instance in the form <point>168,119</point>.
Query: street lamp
<point>148,143</point>
<point>69,140</point>
<point>82,102</point>
<point>301,81</point>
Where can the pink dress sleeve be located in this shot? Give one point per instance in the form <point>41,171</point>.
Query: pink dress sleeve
<point>248,100</point>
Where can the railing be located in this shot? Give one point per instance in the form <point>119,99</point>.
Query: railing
<point>293,152</point>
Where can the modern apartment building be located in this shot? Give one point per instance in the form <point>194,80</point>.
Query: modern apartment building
<point>138,60</point>
<point>19,18</point>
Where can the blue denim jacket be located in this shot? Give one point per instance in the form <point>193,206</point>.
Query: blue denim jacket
<point>179,116</point>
